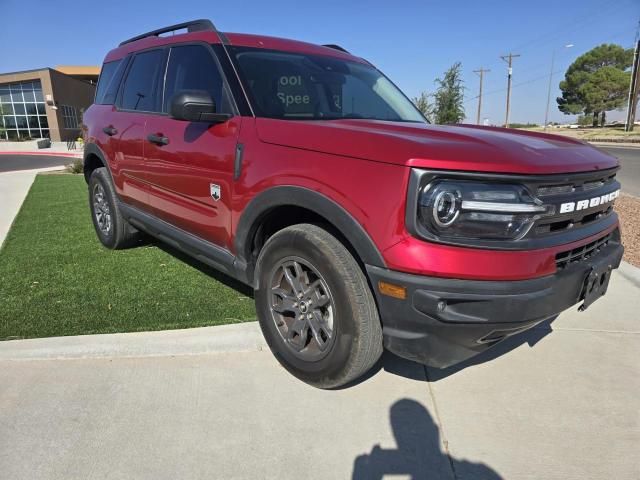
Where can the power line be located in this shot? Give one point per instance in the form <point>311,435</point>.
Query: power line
<point>537,78</point>
<point>576,25</point>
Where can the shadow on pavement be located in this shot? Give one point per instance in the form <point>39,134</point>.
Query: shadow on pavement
<point>405,368</point>
<point>418,454</point>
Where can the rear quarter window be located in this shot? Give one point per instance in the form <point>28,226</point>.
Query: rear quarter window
<point>109,80</point>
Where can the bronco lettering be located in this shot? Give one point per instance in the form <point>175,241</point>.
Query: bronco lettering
<point>569,207</point>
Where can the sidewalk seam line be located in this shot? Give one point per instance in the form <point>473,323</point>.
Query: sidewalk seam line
<point>564,329</point>
<point>445,441</point>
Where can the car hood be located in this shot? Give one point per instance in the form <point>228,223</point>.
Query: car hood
<point>460,147</point>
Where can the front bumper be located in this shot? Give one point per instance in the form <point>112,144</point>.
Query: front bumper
<point>442,322</point>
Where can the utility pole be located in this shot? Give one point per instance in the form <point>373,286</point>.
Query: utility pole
<point>634,89</point>
<point>509,59</point>
<point>481,73</point>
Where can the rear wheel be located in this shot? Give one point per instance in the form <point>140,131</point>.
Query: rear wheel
<point>315,307</point>
<point>112,229</point>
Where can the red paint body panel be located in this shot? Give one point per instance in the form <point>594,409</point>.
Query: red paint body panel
<point>354,184</point>
<point>361,165</point>
<point>438,146</point>
<point>411,256</point>
<point>179,175</point>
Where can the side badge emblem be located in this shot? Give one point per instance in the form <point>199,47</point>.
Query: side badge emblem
<point>215,191</point>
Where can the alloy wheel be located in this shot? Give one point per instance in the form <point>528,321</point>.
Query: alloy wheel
<point>302,308</point>
<point>101,210</point>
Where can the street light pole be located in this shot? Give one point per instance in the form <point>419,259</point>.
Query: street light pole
<point>553,61</point>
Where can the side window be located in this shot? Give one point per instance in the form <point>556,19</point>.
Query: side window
<point>191,67</point>
<point>140,90</point>
<point>106,77</point>
<point>110,78</point>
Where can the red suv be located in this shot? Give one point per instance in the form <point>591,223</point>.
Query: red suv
<point>304,172</point>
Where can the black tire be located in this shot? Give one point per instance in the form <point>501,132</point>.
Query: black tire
<point>119,233</point>
<point>355,333</point>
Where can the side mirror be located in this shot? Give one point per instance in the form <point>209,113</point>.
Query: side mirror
<point>195,106</point>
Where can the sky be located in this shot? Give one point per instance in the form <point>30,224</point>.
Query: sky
<point>412,42</point>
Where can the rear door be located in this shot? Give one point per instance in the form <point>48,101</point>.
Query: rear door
<point>190,177</point>
<point>139,100</point>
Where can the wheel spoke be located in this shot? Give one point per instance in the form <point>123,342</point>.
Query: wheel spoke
<point>293,280</point>
<point>297,334</point>
<point>316,323</point>
<point>288,302</point>
<point>318,297</point>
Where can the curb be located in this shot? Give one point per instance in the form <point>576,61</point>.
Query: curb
<point>45,154</point>
<point>614,141</point>
<point>630,272</point>
<point>36,170</point>
<point>240,337</point>
<point>614,145</point>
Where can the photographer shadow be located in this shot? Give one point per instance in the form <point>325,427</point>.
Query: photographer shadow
<point>418,454</point>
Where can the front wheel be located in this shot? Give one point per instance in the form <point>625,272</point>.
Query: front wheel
<point>315,307</point>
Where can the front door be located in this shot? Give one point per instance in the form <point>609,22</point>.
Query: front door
<point>189,165</point>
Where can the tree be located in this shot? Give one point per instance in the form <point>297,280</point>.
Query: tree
<point>449,96</point>
<point>585,120</point>
<point>596,82</point>
<point>424,104</point>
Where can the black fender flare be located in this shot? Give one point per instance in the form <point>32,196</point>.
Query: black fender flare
<point>308,199</point>
<point>93,149</point>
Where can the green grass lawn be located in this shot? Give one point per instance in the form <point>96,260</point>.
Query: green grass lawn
<point>57,279</point>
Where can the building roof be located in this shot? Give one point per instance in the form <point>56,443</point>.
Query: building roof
<point>81,70</point>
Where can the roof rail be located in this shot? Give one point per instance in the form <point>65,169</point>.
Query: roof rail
<point>336,47</point>
<point>201,25</point>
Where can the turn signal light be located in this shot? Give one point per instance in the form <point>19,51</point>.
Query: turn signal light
<point>395,291</point>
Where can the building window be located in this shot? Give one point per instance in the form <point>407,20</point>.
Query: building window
<point>70,117</point>
<point>22,111</point>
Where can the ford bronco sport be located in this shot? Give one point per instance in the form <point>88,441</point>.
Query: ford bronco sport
<point>302,171</point>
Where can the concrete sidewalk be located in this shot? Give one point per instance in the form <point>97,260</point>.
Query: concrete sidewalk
<point>14,187</point>
<point>565,409</point>
<point>31,148</point>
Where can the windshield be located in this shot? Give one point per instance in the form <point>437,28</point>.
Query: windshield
<point>298,86</point>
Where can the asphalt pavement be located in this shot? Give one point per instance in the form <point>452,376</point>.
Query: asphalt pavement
<point>9,162</point>
<point>629,175</point>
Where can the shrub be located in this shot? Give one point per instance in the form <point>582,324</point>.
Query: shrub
<point>76,166</point>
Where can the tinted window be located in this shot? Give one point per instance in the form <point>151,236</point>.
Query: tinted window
<point>191,67</point>
<point>290,85</point>
<point>106,77</point>
<point>110,81</point>
<point>140,87</point>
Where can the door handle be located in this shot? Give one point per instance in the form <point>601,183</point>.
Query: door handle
<point>110,130</point>
<point>158,139</point>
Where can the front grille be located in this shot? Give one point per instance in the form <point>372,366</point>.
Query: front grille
<point>580,220</point>
<point>597,181</point>
<point>579,254</point>
<point>573,188</point>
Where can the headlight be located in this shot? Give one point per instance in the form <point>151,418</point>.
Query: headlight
<point>473,210</point>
